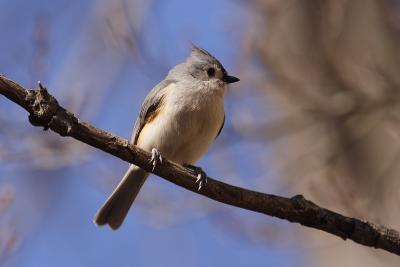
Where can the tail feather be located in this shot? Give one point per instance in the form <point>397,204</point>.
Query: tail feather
<point>116,207</point>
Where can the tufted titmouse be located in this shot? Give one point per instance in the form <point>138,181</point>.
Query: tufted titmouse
<point>179,119</point>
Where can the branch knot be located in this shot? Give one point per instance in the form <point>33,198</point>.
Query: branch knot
<point>43,107</point>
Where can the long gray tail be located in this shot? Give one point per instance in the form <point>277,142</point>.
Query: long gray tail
<point>115,209</point>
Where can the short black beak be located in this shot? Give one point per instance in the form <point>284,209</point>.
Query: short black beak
<point>230,79</point>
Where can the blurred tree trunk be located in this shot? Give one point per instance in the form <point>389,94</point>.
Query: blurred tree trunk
<point>334,66</point>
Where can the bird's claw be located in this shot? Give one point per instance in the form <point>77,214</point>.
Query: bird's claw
<point>156,158</point>
<point>200,174</point>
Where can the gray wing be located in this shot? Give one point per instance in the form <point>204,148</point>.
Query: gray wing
<point>149,106</point>
<point>222,126</point>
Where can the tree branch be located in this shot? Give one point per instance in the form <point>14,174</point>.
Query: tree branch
<point>45,111</point>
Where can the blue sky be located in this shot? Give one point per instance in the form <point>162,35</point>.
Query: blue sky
<point>63,234</point>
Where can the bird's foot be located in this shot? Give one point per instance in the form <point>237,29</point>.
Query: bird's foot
<point>156,158</point>
<point>199,173</point>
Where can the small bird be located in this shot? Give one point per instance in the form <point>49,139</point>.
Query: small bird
<point>179,119</point>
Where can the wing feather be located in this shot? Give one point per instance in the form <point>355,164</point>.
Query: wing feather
<point>150,107</point>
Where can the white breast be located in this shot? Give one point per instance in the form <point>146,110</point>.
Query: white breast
<point>187,124</point>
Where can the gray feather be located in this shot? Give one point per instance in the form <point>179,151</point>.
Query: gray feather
<point>115,209</point>
<point>149,105</point>
<point>202,55</point>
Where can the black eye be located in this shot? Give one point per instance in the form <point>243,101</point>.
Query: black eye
<point>211,72</point>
